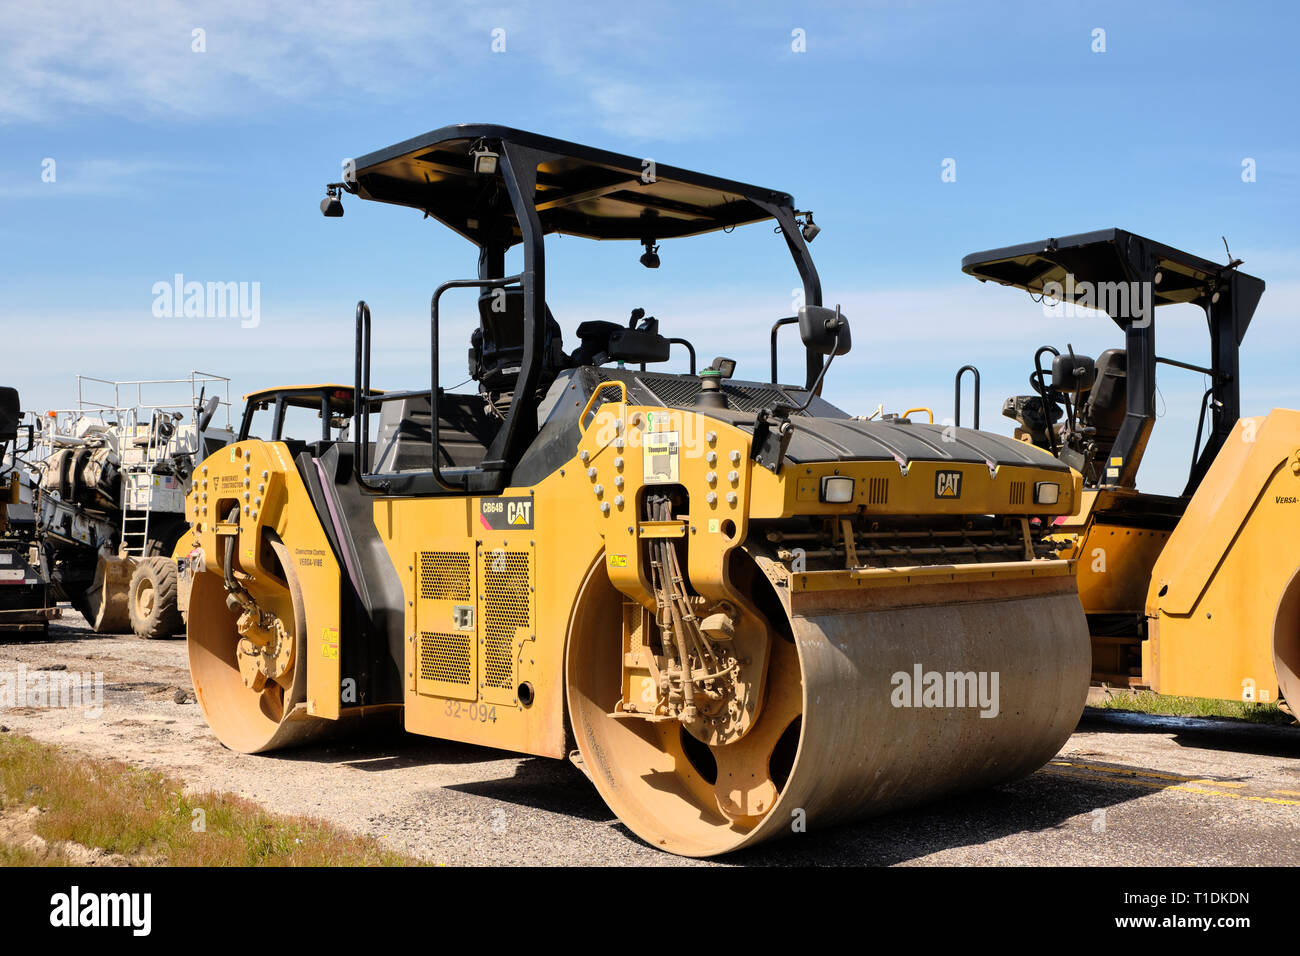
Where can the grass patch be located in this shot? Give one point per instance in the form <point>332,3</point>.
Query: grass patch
<point>1148,702</point>
<point>149,819</point>
<point>17,856</point>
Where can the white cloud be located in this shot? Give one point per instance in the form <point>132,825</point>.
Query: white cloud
<point>72,57</point>
<point>89,177</point>
<point>655,109</point>
<point>138,58</point>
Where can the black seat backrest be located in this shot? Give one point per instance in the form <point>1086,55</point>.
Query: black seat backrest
<point>1108,400</point>
<point>497,346</point>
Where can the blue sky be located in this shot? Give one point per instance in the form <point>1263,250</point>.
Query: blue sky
<point>211,164</point>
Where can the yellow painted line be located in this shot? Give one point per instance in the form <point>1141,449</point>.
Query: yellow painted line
<point>1129,771</point>
<point>1130,778</point>
<point>1289,793</point>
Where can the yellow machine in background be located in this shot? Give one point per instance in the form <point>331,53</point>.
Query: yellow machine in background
<point>739,609</point>
<point>1196,594</point>
<point>1224,603</point>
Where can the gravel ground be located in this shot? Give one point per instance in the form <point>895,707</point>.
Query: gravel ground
<point>1125,790</point>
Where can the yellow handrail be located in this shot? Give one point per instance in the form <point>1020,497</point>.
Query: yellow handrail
<point>582,419</point>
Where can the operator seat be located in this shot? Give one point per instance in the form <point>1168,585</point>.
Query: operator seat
<point>496,352</point>
<point>1108,401</point>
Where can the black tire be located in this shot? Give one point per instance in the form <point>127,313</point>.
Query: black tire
<point>152,599</point>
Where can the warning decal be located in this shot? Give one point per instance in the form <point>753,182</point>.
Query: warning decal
<point>659,457</point>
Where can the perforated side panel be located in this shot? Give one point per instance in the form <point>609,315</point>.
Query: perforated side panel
<point>680,392</point>
<point>446,647</point>
<point>444,576</point>
<point>636,630</point>
<point>673,391</point>
<point>747,398</point>
<point>507,618</point>
<point>446,658</point>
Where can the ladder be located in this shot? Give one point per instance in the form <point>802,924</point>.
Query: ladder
<point>135,533</point>
<point>135,521</point>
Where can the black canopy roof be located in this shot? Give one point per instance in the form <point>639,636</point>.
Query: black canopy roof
<point>581,191</point>
<point>1105,256</point>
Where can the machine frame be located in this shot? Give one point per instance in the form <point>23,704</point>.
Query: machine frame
<point>697,588</point>
<point>1227,296</point>
<point>551,186</point>
<point>1158,574</point>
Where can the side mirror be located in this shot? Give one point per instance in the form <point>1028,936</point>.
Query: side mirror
<point>1073,374</point>
<point>824,330</point>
